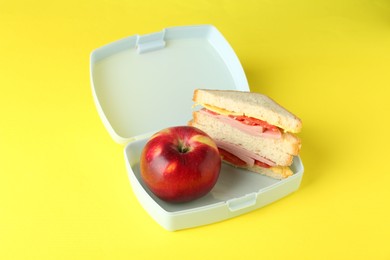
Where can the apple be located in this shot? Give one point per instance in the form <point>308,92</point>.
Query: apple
<point>180,164</point>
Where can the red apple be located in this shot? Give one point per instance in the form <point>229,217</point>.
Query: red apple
<point>180,164</point>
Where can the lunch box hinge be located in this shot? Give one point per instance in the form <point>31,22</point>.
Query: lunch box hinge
<point>151,42</point>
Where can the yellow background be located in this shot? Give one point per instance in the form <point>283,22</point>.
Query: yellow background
<point>64,191</point>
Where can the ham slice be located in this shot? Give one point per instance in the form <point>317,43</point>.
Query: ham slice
<point>247,156</point>
<point>255,130</point>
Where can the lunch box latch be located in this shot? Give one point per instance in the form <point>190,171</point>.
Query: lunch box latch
<point>242,202</point>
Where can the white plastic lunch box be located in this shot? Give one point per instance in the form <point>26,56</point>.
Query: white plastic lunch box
<point>144,83</point>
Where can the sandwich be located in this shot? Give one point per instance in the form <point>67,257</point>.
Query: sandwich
<point>251,130</point>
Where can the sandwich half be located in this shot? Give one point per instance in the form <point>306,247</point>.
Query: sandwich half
<point>251,130</point>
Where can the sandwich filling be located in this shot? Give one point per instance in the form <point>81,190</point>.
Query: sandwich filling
<point>250,125</point>
<point>235,154</point>
<point>241,157</point>
<point>234,160</point>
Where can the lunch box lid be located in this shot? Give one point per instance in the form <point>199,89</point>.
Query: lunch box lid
<point>144,83</point>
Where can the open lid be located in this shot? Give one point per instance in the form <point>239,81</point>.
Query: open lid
<point>142,84</point>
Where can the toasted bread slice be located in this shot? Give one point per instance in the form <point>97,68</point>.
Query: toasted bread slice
<point>250,104</point>
<point>277,172</point>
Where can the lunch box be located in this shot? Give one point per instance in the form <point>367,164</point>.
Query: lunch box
<point>144,83</point>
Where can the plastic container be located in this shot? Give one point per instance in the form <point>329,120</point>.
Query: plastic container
<point>142,84</point>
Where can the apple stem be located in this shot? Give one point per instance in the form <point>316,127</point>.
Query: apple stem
<point>183,148</point>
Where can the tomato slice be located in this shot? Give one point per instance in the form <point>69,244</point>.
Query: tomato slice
<point>254,121</point>
<point>225,155</point>
<point>261,164</point>
<point>251,121</point>
<point>231,158</point>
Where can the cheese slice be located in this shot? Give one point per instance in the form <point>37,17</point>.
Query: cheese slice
<point>220,110</point>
